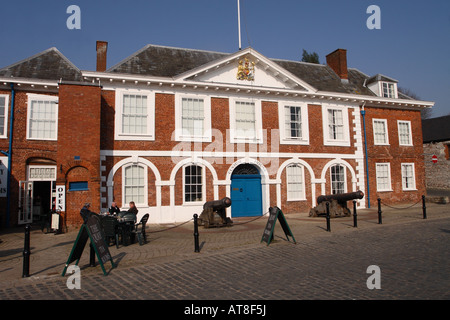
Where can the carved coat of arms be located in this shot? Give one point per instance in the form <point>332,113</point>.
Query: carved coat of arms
<point>246,70</point>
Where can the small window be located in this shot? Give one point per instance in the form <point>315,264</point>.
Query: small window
<point>193,184</point>
<point>408,176</point>
<point>134,114</point>
<point>192,117</point>
<point>293,124</point>
<point>134,184</point>
<point>335,125</point>
<point>380,132</point>
<point>404,133</point>
<point>295,182</point>
<point>42,117</point>
<point>383,172</point>
<point>245,120</point>
<point>337,179</point>
<point>3,115</point>
<point>78,186</point>
<point>388,90</point>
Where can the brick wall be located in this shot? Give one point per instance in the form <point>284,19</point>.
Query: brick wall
<point>220,120</point>
<point>395,154</point>
<point>78,157</point>
<point>86,120</point>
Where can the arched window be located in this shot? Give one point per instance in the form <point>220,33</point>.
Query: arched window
<point>295,182</point>
<point>193,183</point>
<point>338,184</point>
<point>134,185</point>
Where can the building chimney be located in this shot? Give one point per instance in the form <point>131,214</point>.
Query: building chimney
<point>102,48</point>
<point>337,60</point>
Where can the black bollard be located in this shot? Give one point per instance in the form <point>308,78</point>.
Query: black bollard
<point>197,247</point>
<point>26,253</point>
<point>328,217</point>
<point>355,219</point>
<point>424,208</point>
<point>379,211</point>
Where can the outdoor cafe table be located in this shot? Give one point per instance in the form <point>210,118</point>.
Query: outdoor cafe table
<point>125,227</point>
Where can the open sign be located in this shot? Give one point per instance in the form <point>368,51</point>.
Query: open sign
<point>61,198</point>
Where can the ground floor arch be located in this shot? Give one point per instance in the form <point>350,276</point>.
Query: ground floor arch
<point>246,191</point>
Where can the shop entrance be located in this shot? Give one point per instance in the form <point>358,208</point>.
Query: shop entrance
<point>38,193</point>
<point>35,200</point>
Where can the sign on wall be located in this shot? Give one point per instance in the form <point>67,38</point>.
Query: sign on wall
<point>61,198</point>
<point>3,176</point>
<point>434,158</point>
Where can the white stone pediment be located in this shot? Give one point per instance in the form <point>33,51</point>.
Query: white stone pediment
<point>262,73</point>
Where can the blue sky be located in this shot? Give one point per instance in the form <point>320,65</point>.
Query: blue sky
<point>412,46</point>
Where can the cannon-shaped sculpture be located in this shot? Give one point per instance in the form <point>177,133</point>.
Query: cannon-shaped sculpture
<point>214,214</point>
<point>337,204</point>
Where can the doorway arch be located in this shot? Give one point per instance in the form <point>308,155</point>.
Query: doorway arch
<point>246,191</point>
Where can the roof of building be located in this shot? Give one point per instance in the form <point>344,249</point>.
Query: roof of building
<point>161,61</point>
<point>436,129</point>
<point>380,77</point>
<point>47,65</point>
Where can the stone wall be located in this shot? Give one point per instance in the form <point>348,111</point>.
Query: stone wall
<point>437,174</point>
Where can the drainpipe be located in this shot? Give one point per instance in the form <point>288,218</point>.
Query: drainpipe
<point>9,154</point>
<point>363,113</point>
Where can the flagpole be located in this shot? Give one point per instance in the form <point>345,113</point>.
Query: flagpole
<point>239,23</point>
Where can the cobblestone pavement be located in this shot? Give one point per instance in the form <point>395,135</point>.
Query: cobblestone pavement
<point>412,253</point>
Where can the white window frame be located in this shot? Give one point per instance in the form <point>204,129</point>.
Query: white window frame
<point>41,97</point>
<point>118,134</point>
<point>345,142</point>
<point>207,132</point>
<point>386,132</point>
<point>284,139</point>
<point>301,195</point>
<point>413,187</point>
<point>234,138</point>
<point>345,177</point>
<point>5,124</point>
<point>31,167</point>
<point>394,89</point>
<point>410,132</point>
<point>379,165</point>
<point>200,202</point>
<point>125,204</point>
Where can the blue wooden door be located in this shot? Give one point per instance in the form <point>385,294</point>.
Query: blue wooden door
<point>246,198</point>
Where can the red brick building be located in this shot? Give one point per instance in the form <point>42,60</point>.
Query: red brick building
<point>171,128</point>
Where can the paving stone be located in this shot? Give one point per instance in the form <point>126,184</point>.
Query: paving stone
<point>412,253</point>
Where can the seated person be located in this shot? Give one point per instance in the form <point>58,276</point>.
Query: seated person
<point>133,210</point>
<point>114,209</point>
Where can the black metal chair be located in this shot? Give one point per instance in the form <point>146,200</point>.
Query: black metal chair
<point>110,229</point>
<point>139,229</point>
<point>126,226</point>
